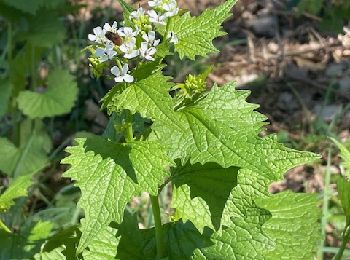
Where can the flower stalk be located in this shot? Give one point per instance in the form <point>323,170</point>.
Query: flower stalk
<point>158,227</point>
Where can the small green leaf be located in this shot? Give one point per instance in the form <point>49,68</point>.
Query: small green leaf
<point>57,99</point>
<point>344,194</point>
<point>30,156</point>
<point>345,155</point>
<point>55,254</point>
<point>40,231</point>
<point>109,174</point>
<point>18,188</point>
<point>195,34</point>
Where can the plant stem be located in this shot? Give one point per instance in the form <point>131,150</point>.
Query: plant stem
<point>129,135</point>
<point>345,240</point>
<point>158,227</point>
<point>326,194</point>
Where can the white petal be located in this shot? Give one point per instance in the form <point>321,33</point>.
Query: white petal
<point>92,37</point>
<point>144,46</point>
<point>121,31</point>
<point>111,54</point>
<point>115,71</point>
<point>97,31</point>
<point>107,27</point>
<point>124,48</point>
<point>99,52</point>
<point>152,36</point>
<point>128,78</point>
<point>152,14</point>
<point>118,79</point>
<point>156,42</point>
<point>148,57</point>
<point>125,69</point>
<point>104,58</point>
<point>152,51</point>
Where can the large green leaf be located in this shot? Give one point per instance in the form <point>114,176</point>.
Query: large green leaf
<point>195,34</point>
<point>25,6</point>
<point>294,225</point>
<point>32,6</point>
<point>44,30</point>
<point>57,99</point>
<point>103,247</point>
<point>109,174</point>
<point>199,132</point>
<point>196,192</point>
<point>270,237</point>
<point>26,59</point>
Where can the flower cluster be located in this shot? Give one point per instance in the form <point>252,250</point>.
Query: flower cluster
<point>135,41</point>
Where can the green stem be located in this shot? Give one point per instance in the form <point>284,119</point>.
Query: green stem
<point>129,135</point>
<point>326,194</point>
<point>158,227</point>
<point>345,240</point>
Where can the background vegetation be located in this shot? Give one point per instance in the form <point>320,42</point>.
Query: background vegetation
<point>293,55</point>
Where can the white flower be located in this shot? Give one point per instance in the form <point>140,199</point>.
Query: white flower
<point>129,50</point>
<point>150,38</point>
<point>170,8</point>
<point>173,39</point>
<point>156,18</point>
<point>108,28</point>
<point>122,75</point>
<point>98,36</point>
<point>155,3</point>
<point>107,53</point>
<point>137,14</point>
<point>146,52</point>
<point>128,34</point>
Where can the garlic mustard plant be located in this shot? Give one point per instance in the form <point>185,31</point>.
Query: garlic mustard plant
<point>203,141</point>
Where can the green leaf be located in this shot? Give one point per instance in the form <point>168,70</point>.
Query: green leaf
<point>127,9</point>
<point>345,155</point>
<point>25,6</point>
<point>44,30</point>
<point>18,188</point>
<point>201,133</point>
<point>310,6</point>
<point>118,172</point>
<point>21,66</point>
<point>195,34</point>
<point>30,156</point>
<point>55,254</point>
<point>181,240</point>
<point>344,195</point>
<point>196,192</point>
<point>40,231</point>
<point>5,94</point>
<point>103,247</point>
<point>57,99</point>
<point>294,225</point>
